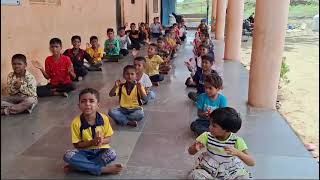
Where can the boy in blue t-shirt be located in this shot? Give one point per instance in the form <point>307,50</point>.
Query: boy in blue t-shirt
<point>198,78</point>
<point>207,102</point>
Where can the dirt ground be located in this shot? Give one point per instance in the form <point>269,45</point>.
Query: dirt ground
<point>299,98</point>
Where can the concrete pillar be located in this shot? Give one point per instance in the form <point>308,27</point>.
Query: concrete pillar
<point>213,15</point>
<point>221,18</point>
<point>271,19</point>
<point>234,30</point>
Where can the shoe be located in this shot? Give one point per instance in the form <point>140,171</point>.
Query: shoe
<point>132,123</point>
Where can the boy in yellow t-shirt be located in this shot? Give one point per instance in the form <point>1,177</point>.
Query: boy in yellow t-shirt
<point>95,51</point>
<point>130,95</point>
<point>91,134</point>
<point>153,63</point>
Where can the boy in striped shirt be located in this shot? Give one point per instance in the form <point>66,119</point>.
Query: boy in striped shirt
<point>225,153</point>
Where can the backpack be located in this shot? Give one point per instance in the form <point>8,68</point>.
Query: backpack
<point>120,93</point>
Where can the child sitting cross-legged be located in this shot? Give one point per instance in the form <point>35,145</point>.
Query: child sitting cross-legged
<point>207,102</point>
<point>226,154</point>
<point>164,53</point>
<point>140,64</point>
<point>59,69</point>
<point>91,135</point>
<point>197,80</point>
<point>112,47</point>
<point>124,41</point>
<point>77,56</point>
<point>22,88</point>
<point>95,51</point>
<point>130,95</point>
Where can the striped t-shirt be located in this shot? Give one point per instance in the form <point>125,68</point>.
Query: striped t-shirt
<point>216,148</point>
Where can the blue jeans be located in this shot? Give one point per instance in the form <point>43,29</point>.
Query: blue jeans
<point>89,160</point>
<point>200,126</point>
<point>151,96</point>
<point>122,115</point>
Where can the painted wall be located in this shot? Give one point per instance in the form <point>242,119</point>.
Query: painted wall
<point>28,28</point>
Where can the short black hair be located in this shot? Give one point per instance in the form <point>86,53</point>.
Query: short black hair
<point>142,24</point>
<point>75,37</point>
<point>160,39</point>
<point>20,57</point>
<point>214,80</point>
<point>154,45</point>
<point>127,67</point>
<point>110,30</point>
<point>93,38</point>
<point>132,24</point>
<point>206,34</point>
<point>140,58</point>
<point>227,118</point>
<point>208,58</point>
<point>55,41</point>
<point>121,28</point>
<point>174,24</point>
<point>91,91</point>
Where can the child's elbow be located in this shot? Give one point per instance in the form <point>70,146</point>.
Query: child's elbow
<point>251,163</point>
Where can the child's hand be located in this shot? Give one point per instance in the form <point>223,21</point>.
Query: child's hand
<point>139,85</point>
<point>134,52</point>
<point>125,24</point>
<point>99,138</point>
<point>36,64</point>
<point>88,45</point>
<point>17,84</point>
<point>70,69</point>
<point>118,83</point>
<point>209,110</point>
<point>188,64</point>
<point>199,146</point>
<point>231,150</point>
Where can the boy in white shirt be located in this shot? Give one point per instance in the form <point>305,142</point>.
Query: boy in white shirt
<point>124,41</point>
<point>143,78</point>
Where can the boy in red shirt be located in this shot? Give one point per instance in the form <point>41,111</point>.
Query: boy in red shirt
<point>59,69</point>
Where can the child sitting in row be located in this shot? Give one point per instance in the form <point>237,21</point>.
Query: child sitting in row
<point>130,95</point>
<point>143,36</point>
<point>208,101</point>
<point>140,64</point>
<point>95,51</point>
<point>134,37</point>
<point>124,41</point>
<point>194,63</point>
<point>156,28</point>
<point>182,31</point>
<point>22,88</point>
<point>164,53</point>
<point>198,79</point>
<point>59,69</point>
<point>226,154</point>
<point>112,47</point>
<point>77,56</point>
<point>153,64</point>
<point>91,136</point>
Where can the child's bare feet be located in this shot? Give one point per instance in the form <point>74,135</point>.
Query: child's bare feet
<point>132,123</point>
<point>112,169</point>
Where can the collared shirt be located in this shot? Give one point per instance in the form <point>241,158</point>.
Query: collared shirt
<point>113,51</point>
<point>58,70</point>
<point>77,59</point>
<point>129,101</point>
<point>102,125</point>
<point>28,86</point>
<point>153,65</point>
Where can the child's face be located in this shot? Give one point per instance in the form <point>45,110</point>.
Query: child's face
<point>206,65</point>
<point>76,43</point>
<point>133,27</point>
<point>147,25</point>
<point>203,51</point>
<point>217,130</point>
<point>122,32</point>
<point>88,104</point>
<point>18,66</point>
<point>94,43</point>
<point>210,90</point>
<point>202,37</point>
<point>110,35</point>
<point>139,66</point>
<point>152,51</point>
<point>161,44</point>
<point>130,75</point>
<point>55,49</point>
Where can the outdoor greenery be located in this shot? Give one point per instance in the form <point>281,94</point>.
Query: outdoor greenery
<point>298,8</point>
<point>284,71</point>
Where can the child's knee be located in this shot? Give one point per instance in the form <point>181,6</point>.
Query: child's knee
<point>109,155</point>
<point>199,174</point>
<point>69,154</point>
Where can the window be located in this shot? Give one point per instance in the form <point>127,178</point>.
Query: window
<point>155,6</point>
<point>10,2</point>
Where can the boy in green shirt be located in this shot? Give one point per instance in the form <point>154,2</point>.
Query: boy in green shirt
<point>112,47</point>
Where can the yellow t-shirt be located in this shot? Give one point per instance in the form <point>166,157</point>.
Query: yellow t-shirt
<point>129,101</point>
<point>95,54</point>
<point>153,65</point>
<point>105,130</point>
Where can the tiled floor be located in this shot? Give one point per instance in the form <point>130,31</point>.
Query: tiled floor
<point>32,145</point>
